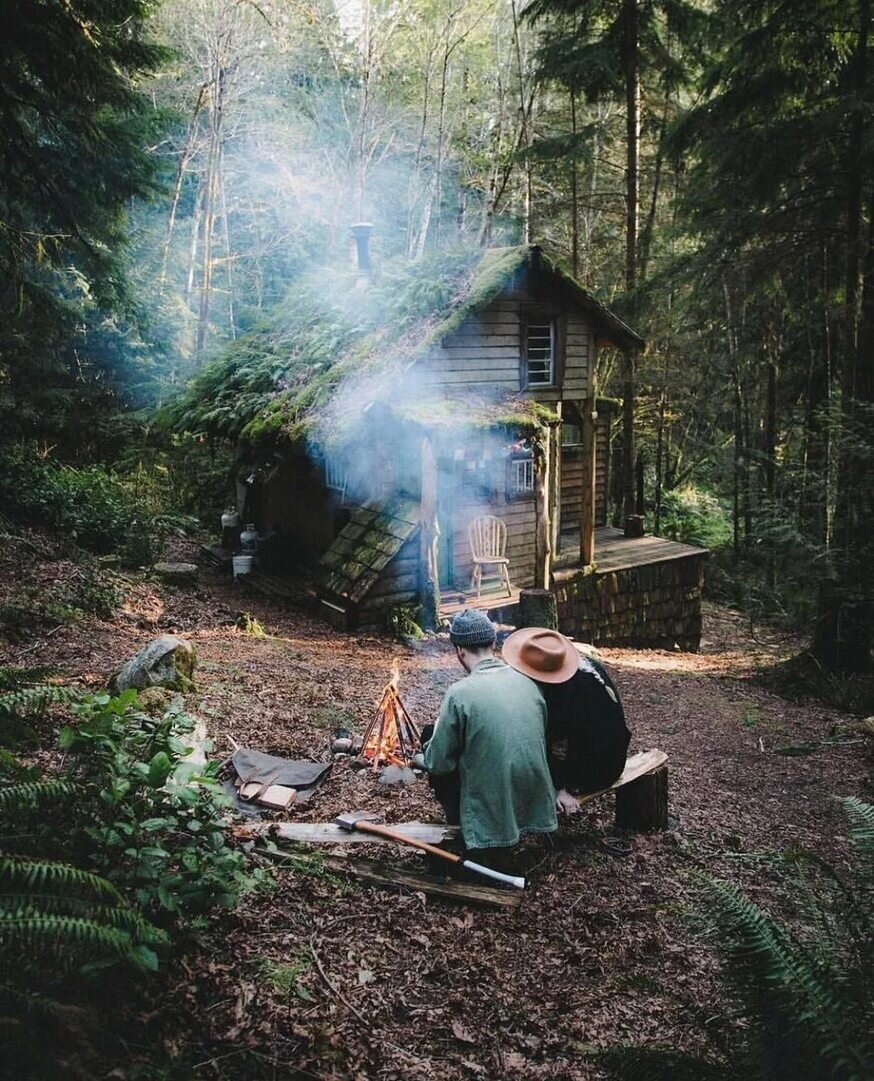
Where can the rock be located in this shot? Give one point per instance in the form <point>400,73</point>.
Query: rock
<point>177,573</point>
<point>397,775</point>
<point>154,699</point>
<point>165,662</point>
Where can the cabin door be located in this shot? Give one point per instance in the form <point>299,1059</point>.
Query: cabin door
<point>445,519</point>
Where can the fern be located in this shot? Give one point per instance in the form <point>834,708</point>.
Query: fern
<point>861,816</point>
<point>31,876</point>
<point>32,701</point>
<point>25,796</point>
<point>13,678</point>
<point>802,1009</point>
<point>71,934</point>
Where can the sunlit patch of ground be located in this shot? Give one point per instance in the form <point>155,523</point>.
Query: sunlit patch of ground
<point>730,645</point>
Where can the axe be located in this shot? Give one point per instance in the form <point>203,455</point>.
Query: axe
<point>365,822</point>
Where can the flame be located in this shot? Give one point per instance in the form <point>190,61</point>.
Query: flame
<point>391,737</point>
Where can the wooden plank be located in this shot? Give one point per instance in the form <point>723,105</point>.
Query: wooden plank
<point>486,349</point>
<point>379,874</point>
<point>636,766</point>
<point>503,377</point>
<point>463,339</point>
<point>322,833</point>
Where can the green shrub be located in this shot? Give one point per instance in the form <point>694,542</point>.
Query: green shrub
<point>92,506</point>
<point>157,827</point>
<point>100,869</point>
<point>694,516</point>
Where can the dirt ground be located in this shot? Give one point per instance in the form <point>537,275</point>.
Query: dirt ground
<point>320,976</point>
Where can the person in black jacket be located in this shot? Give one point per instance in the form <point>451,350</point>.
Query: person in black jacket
<point>587,736</point>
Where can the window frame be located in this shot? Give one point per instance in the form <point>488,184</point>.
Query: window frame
<point>541,315</point>
<point>513,492</point>
<point>334,472</point>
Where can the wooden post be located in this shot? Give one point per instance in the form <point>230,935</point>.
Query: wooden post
<point>429,534</point>
<point>537,608</point>
<point>589,420</point>
<point>556,487</point>
<point>543,528</point>
<point>642,805</point>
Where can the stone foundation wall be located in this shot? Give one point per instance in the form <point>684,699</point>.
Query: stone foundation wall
<point>656,606</point>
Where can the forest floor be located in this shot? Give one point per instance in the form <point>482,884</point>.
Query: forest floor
<point>320,976</point>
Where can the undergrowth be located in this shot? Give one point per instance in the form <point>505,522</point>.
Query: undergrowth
<point>805,994</point>
<point>104,871</point>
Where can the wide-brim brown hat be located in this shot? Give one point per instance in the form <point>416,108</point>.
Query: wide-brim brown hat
<point>546,656</point>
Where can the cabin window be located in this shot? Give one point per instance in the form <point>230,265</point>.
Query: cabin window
<point>520,478</point>
<point>336,478</point>
<point>540,353</point>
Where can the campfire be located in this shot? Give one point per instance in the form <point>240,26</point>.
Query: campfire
<point>391,738</point>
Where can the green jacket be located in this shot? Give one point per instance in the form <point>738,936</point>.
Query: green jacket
<point>492,729</point>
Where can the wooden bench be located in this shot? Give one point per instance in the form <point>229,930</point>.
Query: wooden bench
<point>641,805</point>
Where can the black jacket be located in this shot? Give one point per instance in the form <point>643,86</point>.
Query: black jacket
<point>586,715</point>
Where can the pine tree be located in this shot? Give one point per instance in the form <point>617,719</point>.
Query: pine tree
<point>73,153</point>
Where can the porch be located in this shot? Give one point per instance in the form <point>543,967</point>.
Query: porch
<point>644,591</point>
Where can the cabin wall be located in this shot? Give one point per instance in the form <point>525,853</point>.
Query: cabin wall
<point>295,504</point>
<point>518,516</point>
<point>572,475</point>
<point>396,587</point>
<point>485,352</point>
<point>653,606</point>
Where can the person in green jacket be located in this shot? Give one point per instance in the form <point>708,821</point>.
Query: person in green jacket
<point>491,735</point>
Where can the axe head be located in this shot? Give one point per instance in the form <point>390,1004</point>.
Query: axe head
<point>350,819</point>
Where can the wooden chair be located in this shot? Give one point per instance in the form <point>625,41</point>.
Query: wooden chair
<point>488,543</point>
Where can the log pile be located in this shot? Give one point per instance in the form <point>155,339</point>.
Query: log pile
<point>657,605</point>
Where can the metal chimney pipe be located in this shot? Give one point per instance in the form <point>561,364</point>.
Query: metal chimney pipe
<point>361,232</point>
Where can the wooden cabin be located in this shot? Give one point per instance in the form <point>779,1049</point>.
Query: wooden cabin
<point>486,409</point>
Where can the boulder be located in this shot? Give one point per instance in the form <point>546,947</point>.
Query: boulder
<point>165,662</point>
<point>177,573</point>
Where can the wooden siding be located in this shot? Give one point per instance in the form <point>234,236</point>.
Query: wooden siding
<point>485,352</point>
<point>518,515</point>
<point>572,475</point>
<point>578,351</point>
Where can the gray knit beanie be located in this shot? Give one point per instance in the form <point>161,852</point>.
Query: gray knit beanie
<point>472,628</point>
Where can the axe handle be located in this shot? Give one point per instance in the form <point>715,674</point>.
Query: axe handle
<point>393,835</point>
<point>385,831</point>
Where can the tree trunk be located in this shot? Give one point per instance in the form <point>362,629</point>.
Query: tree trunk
<point>642,805</point>
<point>537,608</point>
<point>543,540</point>
<point>631,67</point>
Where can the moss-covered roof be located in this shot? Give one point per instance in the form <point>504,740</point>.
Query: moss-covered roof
<point>329,339</point>
<point>365,546</point>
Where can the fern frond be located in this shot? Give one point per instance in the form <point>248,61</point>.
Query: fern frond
<point>23,1001</point>
<point>32,876</point>
<point>861,816</point>
<point>12,678</point>
<point>70,932</point>
<point>763,958</point>
<point>122,917</point>
<point>32,701</point>
<point>31,793</point>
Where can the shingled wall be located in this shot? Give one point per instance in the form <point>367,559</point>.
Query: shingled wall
<point>655,606</point>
